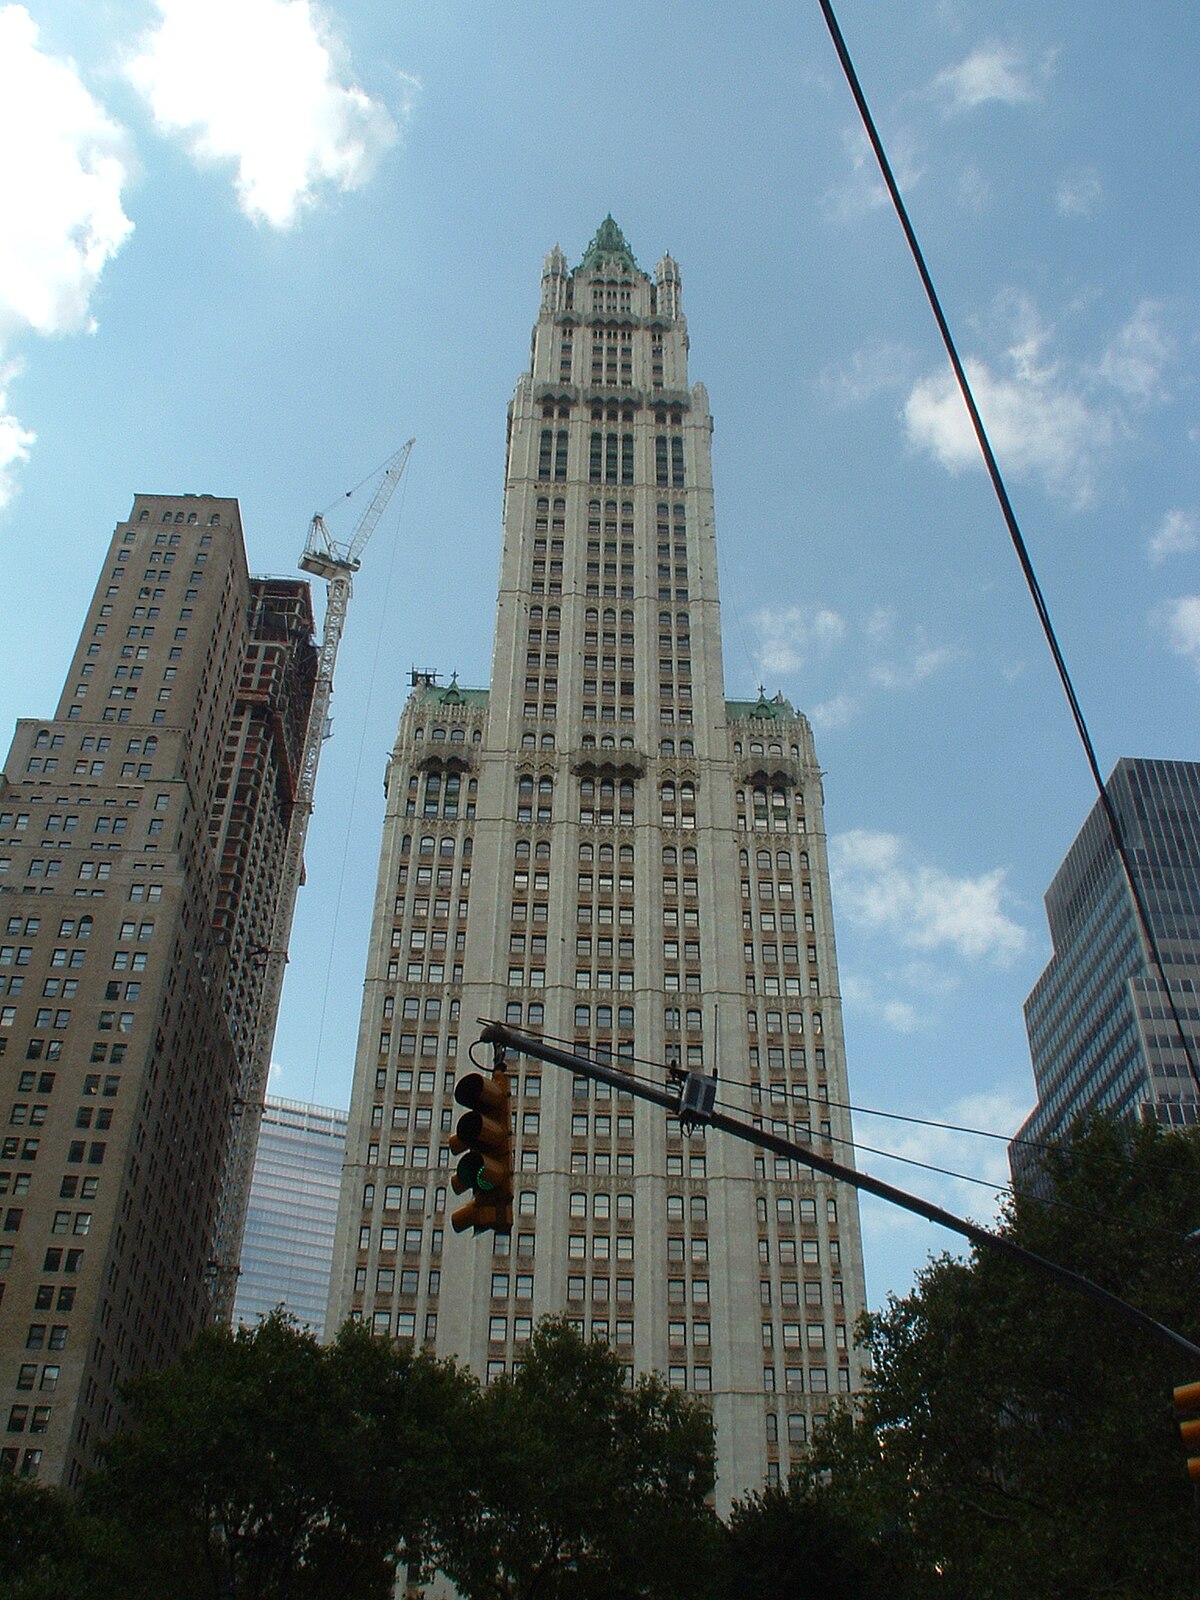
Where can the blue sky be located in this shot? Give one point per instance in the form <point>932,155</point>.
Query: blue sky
<point>249,246</point>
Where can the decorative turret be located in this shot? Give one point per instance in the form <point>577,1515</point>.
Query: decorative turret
<point>554,280</point>
<point>670,286</point>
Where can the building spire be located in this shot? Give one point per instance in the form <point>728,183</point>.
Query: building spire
<point>609,249</point>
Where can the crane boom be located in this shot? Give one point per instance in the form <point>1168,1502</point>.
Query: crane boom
<point>336,563</point>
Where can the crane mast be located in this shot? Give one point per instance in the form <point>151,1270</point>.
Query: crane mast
<point>324,558</point>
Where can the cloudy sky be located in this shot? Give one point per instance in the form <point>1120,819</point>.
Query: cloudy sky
<point>250,246</point>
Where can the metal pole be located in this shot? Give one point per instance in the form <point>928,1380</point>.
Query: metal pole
<point>527,1044</point>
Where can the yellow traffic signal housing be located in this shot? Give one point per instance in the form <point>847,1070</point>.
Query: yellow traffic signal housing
<point>482,1140</point>
<point>1187,1398</point>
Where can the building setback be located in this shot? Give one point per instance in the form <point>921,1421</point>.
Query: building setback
<point>1100,1031</point>
<point>603,848</point>
<point>287,1247</point>
<point>141,837</point>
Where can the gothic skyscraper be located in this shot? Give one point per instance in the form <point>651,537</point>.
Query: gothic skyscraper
<point>602,847</point>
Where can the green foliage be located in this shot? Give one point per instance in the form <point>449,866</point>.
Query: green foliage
<point>1018,1439</point>
<point>795,1541</point>
<point>263,1464</point>
<point>39,1538</point>
<point>579,1485</point>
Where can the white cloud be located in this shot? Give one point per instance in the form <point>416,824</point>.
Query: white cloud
<point>835,712</point>
<point>864,190</point>
<point>874,368</point>
<point>791,635</point>
<point>974,191</point>
<point>1079,194</point>
<point>901,1015</point>
<point>877,1000</point>
<point>890,658</point>
<point>15,440</point>
<point>922,664</point>
<point>65,167</point>
<point>264,85</point>
<point>966,1153</point>
<point>1046,419</point>
<point>1134,361</point>
<point>1176,534</point>
<point>991,72</point>
<point>1180,619</point>
<point>879,887</point>
<point>1038,426</point>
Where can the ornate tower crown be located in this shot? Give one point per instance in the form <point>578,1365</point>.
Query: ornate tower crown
<point>608,251</point>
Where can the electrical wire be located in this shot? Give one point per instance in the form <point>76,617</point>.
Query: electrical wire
<point>948,1127</point>
<point>853,1144</point>
<point>986,1183</point>
<point>1116,829</point>
<point>868,1111</point>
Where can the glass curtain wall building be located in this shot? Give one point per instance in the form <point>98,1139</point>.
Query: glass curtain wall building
<point>1100,1030</point>
<point>287,1247</point>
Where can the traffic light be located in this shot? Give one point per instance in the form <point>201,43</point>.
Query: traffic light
<point>482,1140</point>
<point>1187,1398</point>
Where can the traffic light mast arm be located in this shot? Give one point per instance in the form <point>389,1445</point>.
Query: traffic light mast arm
<point>527,1044</point>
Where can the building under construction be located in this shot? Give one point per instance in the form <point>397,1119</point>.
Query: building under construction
<point>146,846</point>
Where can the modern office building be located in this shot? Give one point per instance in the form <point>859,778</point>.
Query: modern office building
<point>604,848</point>
<point>1100,1030</point>
<point>142,829</point>
<point>287,1246</point>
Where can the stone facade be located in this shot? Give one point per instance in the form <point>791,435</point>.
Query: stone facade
<point>604,849</point>
<point>141,838</point>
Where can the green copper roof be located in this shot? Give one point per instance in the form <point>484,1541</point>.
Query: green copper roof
<point>770,710</point>
<point>453,694</point>
<point>609,249</point>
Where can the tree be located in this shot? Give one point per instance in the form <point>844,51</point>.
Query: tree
<point>42,1549</point>
<point>792,1540</point>
<point>580,1485</point>
<point>1016,1438</point>
<point>262,1464</point>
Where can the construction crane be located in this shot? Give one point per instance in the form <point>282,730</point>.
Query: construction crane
<point>324,558</point>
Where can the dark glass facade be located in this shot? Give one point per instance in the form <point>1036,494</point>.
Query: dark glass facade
<point>1101,1033</point>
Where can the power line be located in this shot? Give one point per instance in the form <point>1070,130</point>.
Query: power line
<point>858,1111</point>
<point>986,1183</point>
<point>932,1122</point>
<point>1018,542</point>
<point>498,1034</point>
<point>616,1063</point>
